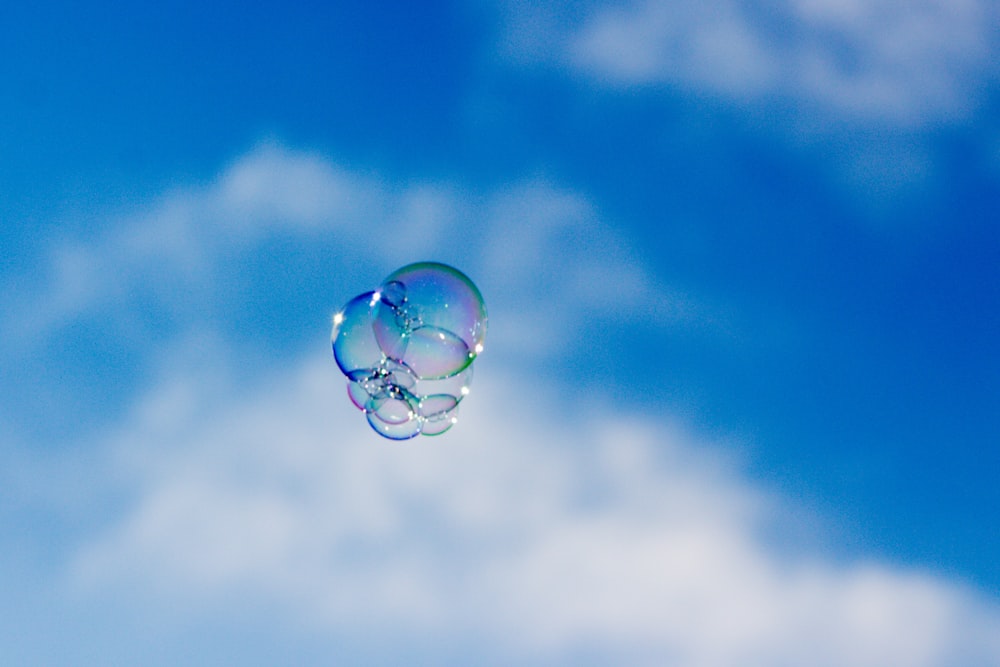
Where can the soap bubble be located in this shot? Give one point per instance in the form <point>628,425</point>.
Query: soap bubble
<point>354,344</point>
<point>407,348</point>
<point>431,317</point>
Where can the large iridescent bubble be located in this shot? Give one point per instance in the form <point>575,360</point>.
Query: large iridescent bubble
<point>407,348</point>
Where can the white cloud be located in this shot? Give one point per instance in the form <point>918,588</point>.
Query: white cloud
<point>541,252</point>
<point>275,187</point>
<point>540,528</point>
<point>554,264</point>
<point>176,241</point>
<point>908,63</point>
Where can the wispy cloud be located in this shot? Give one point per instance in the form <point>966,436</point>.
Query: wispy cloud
<point>542,526</point>
<point>886,61</point>
<point>178,240</point>
<point>535,528</point>
<point>541,249</point>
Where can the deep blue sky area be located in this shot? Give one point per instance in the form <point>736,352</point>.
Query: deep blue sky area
<point>882,384</point>
<point>845,263</point>
<point>147,94</point>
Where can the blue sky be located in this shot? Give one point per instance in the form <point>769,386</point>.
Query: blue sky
<point>740,395</point>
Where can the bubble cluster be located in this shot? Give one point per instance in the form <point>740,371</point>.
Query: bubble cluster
<point>407,348</point>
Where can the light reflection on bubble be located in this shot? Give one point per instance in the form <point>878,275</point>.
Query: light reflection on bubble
<point>407,348</point>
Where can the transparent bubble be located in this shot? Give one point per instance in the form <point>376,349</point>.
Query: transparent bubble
<point>354,344</point>
<point>439,423</point>
<point>402,431</point>
<point>457,385</point>
<point>432,317</point>
<point>407,348</point>
<point>435,405</point>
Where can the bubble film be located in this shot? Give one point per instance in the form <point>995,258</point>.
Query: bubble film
<point>407,348</point>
